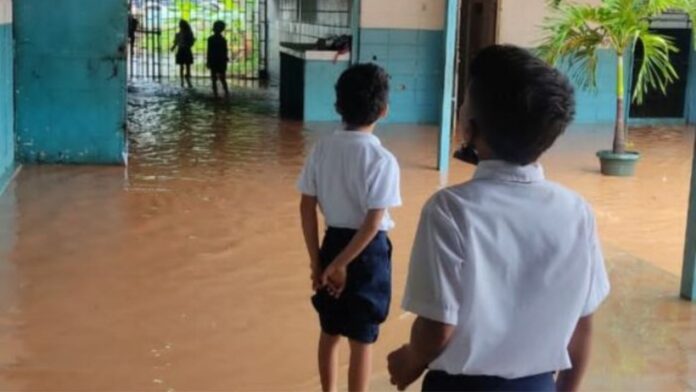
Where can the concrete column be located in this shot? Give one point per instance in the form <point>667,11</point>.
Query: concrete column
<point>688,281</point>
<point>448,96</point>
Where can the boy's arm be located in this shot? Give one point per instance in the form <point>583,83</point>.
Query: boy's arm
<point>310,230</point>
<point>335,274</point>
<point>209,53</point>
<point>579,350</point>
<point>429,339</point>
<point>433,291</point>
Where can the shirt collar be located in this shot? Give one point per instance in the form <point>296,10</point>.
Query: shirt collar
<point>505,171</point>
<point>356,134</point>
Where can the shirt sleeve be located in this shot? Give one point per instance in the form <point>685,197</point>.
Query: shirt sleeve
<point>599,287</point>
<point>307,182</point>
<point>434,279</point>
<point>383,185</point>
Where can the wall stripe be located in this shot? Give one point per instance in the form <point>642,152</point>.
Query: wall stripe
<point>520,21</point>
<point>403,14</point>
<point>5,11</point>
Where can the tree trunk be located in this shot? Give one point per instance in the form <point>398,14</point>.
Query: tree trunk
<point>619,126</point>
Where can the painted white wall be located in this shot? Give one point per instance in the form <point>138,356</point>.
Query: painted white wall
<point>403,14</point>
<point>5,11</point>
<point>520,21</point>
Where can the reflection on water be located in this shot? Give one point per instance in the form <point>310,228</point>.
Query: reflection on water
<point>170,133</point>
<point>187,270</point>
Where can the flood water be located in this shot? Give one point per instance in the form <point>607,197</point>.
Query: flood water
<point>187,270</point>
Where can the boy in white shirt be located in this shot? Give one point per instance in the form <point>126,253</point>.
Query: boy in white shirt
<point>506,269</point>
<point>354,180</point>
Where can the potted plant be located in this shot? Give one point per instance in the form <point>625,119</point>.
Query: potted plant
<point>575,32</point>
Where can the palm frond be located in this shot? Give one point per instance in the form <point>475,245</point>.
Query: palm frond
<point>657,7</point>
<point>656,71</point>
<point>572,37</point>
<point>653,8</point>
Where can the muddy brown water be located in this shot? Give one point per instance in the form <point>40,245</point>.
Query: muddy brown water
<point>186,271</point>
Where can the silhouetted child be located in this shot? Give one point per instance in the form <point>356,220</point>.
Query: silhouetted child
<point>354,180</point>
<point>132,29</point>
<point>218,57</point>
<point>506,269</point>
<point>183,42</point>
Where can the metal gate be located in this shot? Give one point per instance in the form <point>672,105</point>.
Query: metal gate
<point>156,22</point>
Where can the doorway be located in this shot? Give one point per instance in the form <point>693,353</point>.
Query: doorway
<point>477,30</point>
<point>155,24</point>
<point>672,104</point>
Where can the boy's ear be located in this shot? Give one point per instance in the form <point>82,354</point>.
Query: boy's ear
<point>385,111</point>
<point>338,108</point>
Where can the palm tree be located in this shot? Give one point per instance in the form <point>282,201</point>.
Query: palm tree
<point>575,32</point>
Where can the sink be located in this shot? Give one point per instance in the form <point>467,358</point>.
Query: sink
<point>299,46</point>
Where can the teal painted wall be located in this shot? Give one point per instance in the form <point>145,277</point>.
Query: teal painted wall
<point>7,146</point>
<point>598,106</point>
<point>320,94</point>
<point>71,81</point>
<point>415,61</point>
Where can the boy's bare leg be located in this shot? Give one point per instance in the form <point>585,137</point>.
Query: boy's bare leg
<point>181,74</point>
<point>188,75</point>
<point>360,366</point>
<point>328,362</point>
<point>213,79</point>
<point>223,81</point>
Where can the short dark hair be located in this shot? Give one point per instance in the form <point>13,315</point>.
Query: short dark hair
<point>362,93</point>
<point>219,26</point>
<point>519,103</point>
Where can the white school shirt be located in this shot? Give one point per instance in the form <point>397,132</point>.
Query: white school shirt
<point>350,172</point>
<point>513,261</point>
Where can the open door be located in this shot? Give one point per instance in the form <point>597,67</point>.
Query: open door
<point>470,25</point>
<point>71,81</point>
<point>671,105</point>
<point>477,30</point>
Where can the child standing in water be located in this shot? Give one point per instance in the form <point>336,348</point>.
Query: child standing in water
<point>218,58</point>
<point>354,180</point>
<point>506,269</point>
<point>183,43</point>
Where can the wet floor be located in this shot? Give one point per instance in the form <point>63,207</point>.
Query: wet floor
<point>187,271</point>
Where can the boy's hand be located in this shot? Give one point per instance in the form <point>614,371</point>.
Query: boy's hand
<point>403,367</point>
<point>334,279</point>
<point>316,277</point>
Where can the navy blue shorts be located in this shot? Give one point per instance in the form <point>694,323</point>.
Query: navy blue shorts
<point>439,381</point>
<point>364,303</point>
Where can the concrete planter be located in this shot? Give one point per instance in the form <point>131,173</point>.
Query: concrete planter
<point>619,165</point>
